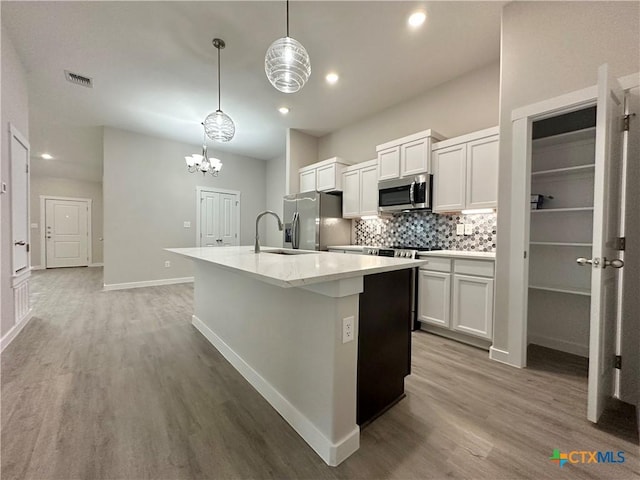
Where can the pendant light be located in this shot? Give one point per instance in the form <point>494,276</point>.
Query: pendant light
<point>202,163</point>
<point>218,125</point>
<point>287,63</point>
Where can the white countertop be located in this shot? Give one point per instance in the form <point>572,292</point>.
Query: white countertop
<point>459,254</point>
<point>294,270</point>
<point>355,248</point>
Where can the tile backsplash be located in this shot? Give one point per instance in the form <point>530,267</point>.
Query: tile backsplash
<point>428,230</point>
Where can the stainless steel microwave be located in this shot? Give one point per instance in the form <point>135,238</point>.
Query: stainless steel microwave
<point>410,193</point>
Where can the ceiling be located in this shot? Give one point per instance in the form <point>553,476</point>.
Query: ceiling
<point>154,67</point>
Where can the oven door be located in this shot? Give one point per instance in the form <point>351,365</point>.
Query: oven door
<point>404,194</point>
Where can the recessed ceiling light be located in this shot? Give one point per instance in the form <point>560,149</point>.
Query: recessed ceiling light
<point>417,18</point>
<point>46,156</point>
<point>332,78</point>
<point>283,110</point>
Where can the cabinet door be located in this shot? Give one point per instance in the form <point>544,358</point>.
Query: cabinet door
<point>482,173</point>
<point>326,178</point>
<point>351,194</point>
<point>449,178</point>
<point>414,158</point>
<point>434,290</point>
<point>473,305</point>
<point>369,190</point>
<point>389,163</point>
<point>308,181</point>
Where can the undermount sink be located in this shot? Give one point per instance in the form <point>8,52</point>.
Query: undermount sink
<point>286,252</point>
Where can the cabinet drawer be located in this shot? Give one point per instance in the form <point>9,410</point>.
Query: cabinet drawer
<point>473,267</point>
<point>437,264</point>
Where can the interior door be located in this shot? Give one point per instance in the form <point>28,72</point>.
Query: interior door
<point>19,201</point>
<point>67,234</point>
<point>218,219</point>
<point>606,221</point>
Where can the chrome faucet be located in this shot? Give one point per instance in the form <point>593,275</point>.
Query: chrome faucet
<point>257,247</point>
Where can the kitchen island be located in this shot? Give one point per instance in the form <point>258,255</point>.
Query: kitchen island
<point>289,324</point>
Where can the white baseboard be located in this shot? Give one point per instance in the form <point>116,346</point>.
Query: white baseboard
<point>37,267</point>
<point>332,453</point>
<point>96,264</point>
<point>562,345</point>
<point>146,283</point>
<point>501,356</point>
<point>15,330</point>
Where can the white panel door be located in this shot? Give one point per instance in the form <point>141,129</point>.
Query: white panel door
<point>218,219</point>
<point>67,233</point>
<point>369,190</point>
<point>434,290</point>
<point>482,173</point>
<point>606,222</point>
<point>473,305</point>
<point>228,220</point>
<point>389,164</point>
<point>414,158</point>
<point>449,178</point>
<point>19,200</point>
<point>351,194</point>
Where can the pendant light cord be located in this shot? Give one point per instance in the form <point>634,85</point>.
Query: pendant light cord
<point>218,77</point>
<point>287,18</point>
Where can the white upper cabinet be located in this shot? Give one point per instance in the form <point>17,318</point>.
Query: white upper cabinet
<point>325,176</point>
<point>406,156</point>
<point>360,190</point>
<point>466,172</point>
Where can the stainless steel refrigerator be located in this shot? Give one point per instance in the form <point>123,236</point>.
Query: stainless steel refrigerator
<point>313,221</point>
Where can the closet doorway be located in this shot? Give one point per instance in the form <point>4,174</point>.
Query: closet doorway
<point>571,149</point>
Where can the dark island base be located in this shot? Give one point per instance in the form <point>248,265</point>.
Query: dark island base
<point>384,343</point>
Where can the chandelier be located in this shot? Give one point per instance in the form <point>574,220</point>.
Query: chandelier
<point>218,125</point>
<point>287,63</point>
<point>202,163</point>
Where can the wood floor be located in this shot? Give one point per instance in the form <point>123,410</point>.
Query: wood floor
<point>119,385</point>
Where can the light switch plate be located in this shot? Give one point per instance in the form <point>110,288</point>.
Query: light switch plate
<point>187,224</point>
<point>460,229</point>
<point>468,229</point>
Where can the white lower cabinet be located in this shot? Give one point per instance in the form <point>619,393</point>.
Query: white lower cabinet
<point>473,305</point>
<point>457,295</point>
<point>434,297</point>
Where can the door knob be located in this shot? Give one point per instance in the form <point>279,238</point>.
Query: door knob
<point>584,261</point>
<point>48,236</point>
<point>615,263</point>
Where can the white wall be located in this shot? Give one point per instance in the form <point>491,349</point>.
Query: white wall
<point>275,191</point>
<point>301,150</point>
<point>15,104</point>
<point>66,187</point>
<point>462,105</point>
<point>148,194</point>
<point>548,49</point>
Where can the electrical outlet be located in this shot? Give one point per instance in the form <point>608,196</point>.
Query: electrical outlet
<point>468,229</point>
<point>187,224</point>
<point>34,225</point>
<point>379,229</point>
<point>167,264</point>
<point>347,329</point>
<point>460,229</point>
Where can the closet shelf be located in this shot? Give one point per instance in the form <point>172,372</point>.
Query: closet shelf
<point>562,289</point>
<point>554,210</point>
<point>563,244</point>
<point>563,138</point>
<point>565,171</point>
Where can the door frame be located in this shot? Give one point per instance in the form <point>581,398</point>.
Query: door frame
<point>43,229</point>
<point>199,191</point>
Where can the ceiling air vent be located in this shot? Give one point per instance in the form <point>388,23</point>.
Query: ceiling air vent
<point>78,79</point>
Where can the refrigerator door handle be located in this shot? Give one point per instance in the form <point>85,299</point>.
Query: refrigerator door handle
<point>295,233</point>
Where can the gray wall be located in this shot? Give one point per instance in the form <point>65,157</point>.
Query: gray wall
<point>148,194</point>
<point>15,105</point>
<point>549,49</point>
<point>66,187</point>
<point>301,150</point>
<point>275,191</point>
<point>462,105</point>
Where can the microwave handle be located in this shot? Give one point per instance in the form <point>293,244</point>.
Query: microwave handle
<point>412,194</point>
